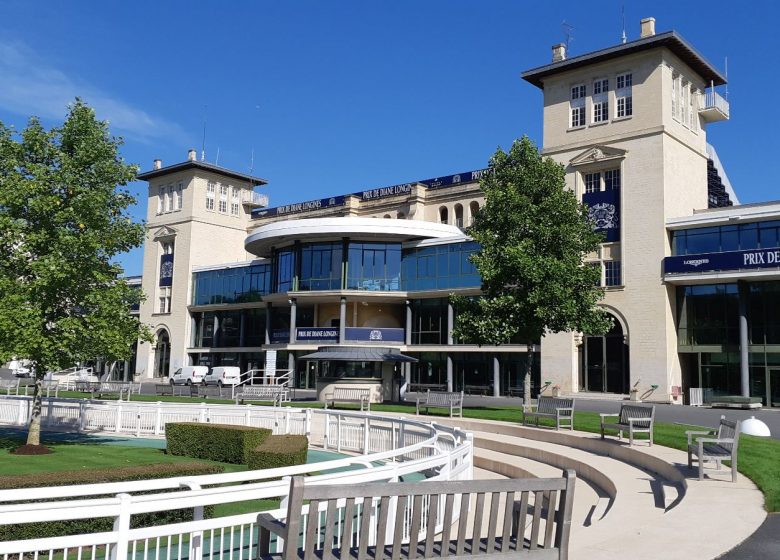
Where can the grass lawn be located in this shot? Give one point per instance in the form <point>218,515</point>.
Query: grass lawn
<point>759,458</point>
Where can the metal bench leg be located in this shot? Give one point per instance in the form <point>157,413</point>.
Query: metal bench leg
<point>630,438</point>
<point>690,460</point>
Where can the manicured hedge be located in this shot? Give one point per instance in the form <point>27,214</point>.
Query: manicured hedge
<point>279,451</point>
<point>216,442</point>
<point>96,525</point>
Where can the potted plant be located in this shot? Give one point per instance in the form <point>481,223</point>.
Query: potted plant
<point>634,394</point>
<point>556,390</point>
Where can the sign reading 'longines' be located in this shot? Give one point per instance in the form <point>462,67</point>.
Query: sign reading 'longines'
<point>370,194</point>
<point>729,260</point>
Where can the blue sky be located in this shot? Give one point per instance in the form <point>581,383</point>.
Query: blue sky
<point>335,97</point>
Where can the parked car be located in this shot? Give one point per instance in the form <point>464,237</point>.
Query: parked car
<point>19,369</point>
<point>223,376</point>
<point>189,375</point>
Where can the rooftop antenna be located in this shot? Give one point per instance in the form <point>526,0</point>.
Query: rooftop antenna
<point>217,162</point>
<point>203,144</point>
<point>252,161</point>
<point>568,33</point>
<point>623,37</point>
<point>727,79</point>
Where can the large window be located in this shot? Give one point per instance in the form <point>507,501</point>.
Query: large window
<point>231,285</point>
<point>321,266</point>
<point>178,196</point>
<point>623,96</point>
<point>223,198</point>
<point>285,270</point>
<point>612,273</point>
<point>210,196</point>
<point>708,315</point>
<point>577,106</point>
<point>374,266</point>
<point>600,100</point>
<point>351,370</point>
<point>235,201</point>
<point>608,180</point>
<point>429,321</point>
<point>741,237</point>
<point>440,267</point>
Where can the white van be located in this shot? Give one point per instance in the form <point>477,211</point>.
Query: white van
<point>223,376</point>
<point>189,375</point>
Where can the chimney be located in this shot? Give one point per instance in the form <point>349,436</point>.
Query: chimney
<point>157,164</point>
<point>559,52</point>
<point>647,27</point>
<point>192,155</point>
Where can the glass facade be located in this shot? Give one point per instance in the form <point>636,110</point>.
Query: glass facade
<point>231,285</point>
<point>440,267</point>
<point>738,237</point>
<point>320,266</point>
<point>708,315</point>
<point>374,266</point>
<point>429,321</point>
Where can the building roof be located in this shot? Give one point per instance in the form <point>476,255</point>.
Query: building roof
<point>194,164</point>
<point>669,39</point>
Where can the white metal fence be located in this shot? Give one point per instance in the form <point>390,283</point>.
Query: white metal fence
<point>388,448</point>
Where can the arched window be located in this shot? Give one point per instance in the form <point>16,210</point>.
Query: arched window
<point>473,209</point>
<point>401,216</point>
<point>443,217</point>
<point>459,215</point>
<point>386,216</point>
<point>162,354</point>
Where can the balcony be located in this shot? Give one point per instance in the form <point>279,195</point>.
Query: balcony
<point>712,107</point>
<point>254,199</point>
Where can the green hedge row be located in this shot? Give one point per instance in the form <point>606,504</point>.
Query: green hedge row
<point>94,476</point>
<point>216,442</point>
<point>279,451</point>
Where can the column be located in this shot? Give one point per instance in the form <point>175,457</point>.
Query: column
<point>291,367</point>
<point>450,325</point>
<point>450,384</point>
<point>342,320</point>
<point>744,356</point>
<point>408,334</point>
<point>293,312</point>
<point>242,329</point>
<point>268,322</point>
<point>215,339</point>
<point>496,377</point>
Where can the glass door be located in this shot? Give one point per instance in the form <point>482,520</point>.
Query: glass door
<point>594,364</point>
<point>774,386</point>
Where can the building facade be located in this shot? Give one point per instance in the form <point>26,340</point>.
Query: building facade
<point>231,281</point>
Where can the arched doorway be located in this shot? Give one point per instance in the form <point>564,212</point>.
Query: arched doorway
<point>605,362</point>
<point>162,354</point>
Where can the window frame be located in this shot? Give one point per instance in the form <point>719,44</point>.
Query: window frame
<point>624,98</point>
<point>210,196</point>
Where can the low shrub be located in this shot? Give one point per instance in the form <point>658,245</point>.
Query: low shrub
<point>94,476</point>
<point>216,442</point>
<point>279,451</point>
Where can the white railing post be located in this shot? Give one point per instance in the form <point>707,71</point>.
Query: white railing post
<point>287,421</point>
<point>121,528</point>
<point>307,424</point>
<point>326,439</point>
<point>338,433</point>
<point>21,419</point>
<point>138,422</point>
<point>196,537</point>
<point>82,416</point>
<point>157,418</point>
<point>366,434</point>
<point>118,418</point>
<point>248,418</point>
<point>202,413</point>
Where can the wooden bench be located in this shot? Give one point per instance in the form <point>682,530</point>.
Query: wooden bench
<point>274,393</point>
<point>100,388</point>
<point>163,389</point>
<point>720,446</point>
<point>557,408</point>
<point>437,399</point>
<point>424,519</point>
<point>214,392</point>
<point>9,385</point>
<point>355,395</point>
<point>632,419</point>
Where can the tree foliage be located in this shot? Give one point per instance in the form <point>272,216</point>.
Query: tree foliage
<point>63,218</point>
<point>533,236</point>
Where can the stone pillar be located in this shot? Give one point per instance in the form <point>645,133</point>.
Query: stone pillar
<point>268,322</point>
<point>496,377</point>
<point>293,313</point>
<point>450,383</point>
<point>291,367</point>
<point>408,334</point>
<point>744,356</point>
<point>450,322</point>
<point>343,320</point>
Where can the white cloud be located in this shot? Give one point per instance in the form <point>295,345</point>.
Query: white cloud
<point>29,86</point>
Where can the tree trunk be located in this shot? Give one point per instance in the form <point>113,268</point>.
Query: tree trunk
<point>34,431</point>
<point>529,366</point>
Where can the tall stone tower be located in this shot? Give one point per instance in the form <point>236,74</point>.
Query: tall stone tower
<point>628,125</point>
<point>197,214</point>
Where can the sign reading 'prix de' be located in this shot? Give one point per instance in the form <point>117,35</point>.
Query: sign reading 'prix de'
<point>729,260</point>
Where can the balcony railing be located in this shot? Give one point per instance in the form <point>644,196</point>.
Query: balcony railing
<point>255,199</point>
<point>713,107</point>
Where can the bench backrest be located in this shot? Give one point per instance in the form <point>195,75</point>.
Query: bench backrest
<point>548,405</point>
<point>444,397</point>
<point>376,518</point>
<point>262,390</point>
<point>9,383</point>
<point>729,430</point>
<point>633,411</point>
<point>351,393</point>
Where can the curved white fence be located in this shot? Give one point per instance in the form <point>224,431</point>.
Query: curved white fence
<point>389,449</point>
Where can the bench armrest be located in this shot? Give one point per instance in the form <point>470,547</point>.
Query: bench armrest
<point>605,415</point>
<point>648,421</point>
<point>690,433</point>
<point>714,440</point>
<point>568,408</point>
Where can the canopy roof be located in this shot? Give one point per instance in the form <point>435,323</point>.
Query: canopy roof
<point>358,354</point>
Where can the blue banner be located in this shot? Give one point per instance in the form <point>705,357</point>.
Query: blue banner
<point>456,179</point>
<point>604,210</point>
<point>166,270</point>
<point>280,335</point>
<point>369,334</point>
<point>305,334</point>
<point>729,260</point>
<point>299,207</point>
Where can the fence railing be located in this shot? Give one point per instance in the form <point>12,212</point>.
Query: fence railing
<point>389,449</point>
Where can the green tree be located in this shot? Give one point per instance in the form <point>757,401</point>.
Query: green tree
<point>533,236</point>
<point>63,218</point>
